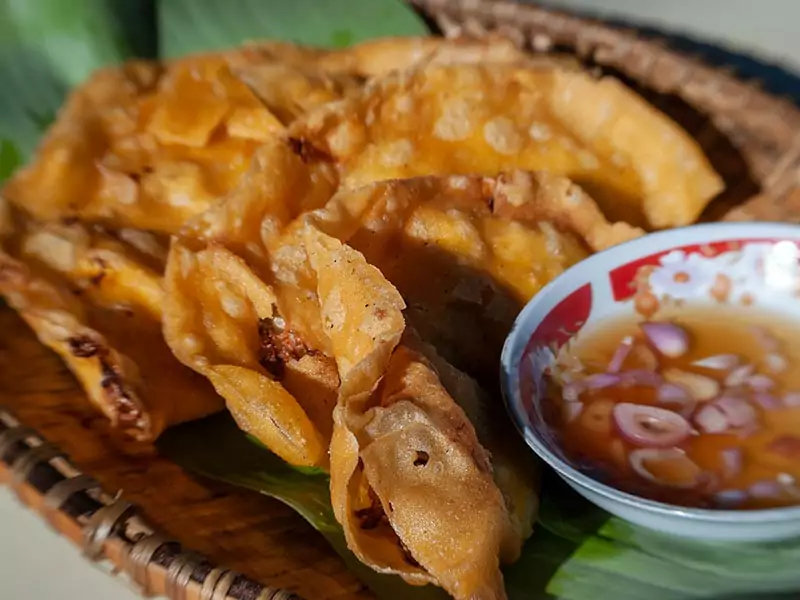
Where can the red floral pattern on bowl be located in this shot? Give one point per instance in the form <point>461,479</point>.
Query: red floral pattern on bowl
<point>747,264</point>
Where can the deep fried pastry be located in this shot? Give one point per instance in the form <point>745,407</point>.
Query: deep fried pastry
<point>96,301</point>
<point>515,469</point>
<point>100,268</point>
<point>281,183</point>
<point>64,175</point>
<point>149,146</point>
<point>470,249</point>
<point>228,324</point>
<point>465,118</point>
<point>141,389</point>
<point>410,482</point>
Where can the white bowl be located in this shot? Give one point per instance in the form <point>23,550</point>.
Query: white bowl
<point>600,287</point>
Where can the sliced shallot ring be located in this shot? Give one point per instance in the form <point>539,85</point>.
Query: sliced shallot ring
<point>730,498</point>
<point>672,394</point>
<point>650,426</point>
<point>599,381</point>
<point>738,411</point>
<point>571,391</point>
<point>732,462</point>
<point>761,382</point>
<point>766,490</point>
<point>739,376</point>
<point>640,456</point>
<point>669,339</point>
<point>620,354</point>
<point>641,377</point>
<point>718,362</point>
<point>701,388</point>
<point>776,363</point>
<point>766,400</point>
<point>711,419</point>
<point>791,399</point>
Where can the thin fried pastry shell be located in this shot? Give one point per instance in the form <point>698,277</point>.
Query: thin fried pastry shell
<point>281,183</point>
<point>485,118</point>
<point>63,175</point>
<point>59,321</point>
<point>515,469</point>
<point>379,57</point>
<point>410,483</point>
<point>149,146</point>
<point>226,323</point>
<point>261,222</point>
<point>470,249</point>
<point>95,300</point>
<point>129,150</point>
<point>100,267</point>
<point>115,351</point>
<point>290,91</point>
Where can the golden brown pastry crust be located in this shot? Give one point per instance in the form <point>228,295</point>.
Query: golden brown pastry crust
<point>446,119</point>
<point>469,249</point>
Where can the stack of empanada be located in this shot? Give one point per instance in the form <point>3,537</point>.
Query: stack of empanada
<point>325,243</point>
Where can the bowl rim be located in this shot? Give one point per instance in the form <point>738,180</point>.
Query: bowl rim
<point>513,350</point>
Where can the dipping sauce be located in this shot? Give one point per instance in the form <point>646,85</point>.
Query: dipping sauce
<point>699,408</point>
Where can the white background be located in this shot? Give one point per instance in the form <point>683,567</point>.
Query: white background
<point>36,564</point>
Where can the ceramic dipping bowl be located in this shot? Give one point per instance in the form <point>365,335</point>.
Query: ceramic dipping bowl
<point>760,265</point>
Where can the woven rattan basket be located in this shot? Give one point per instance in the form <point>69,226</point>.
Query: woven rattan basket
<point>751,137</point>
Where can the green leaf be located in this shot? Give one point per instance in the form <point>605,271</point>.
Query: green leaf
<point>576,553</point>
<point>198,25</point>
<point>10,159</point>
<point>49,46</point>
<point>236,459</point>
<point>617,558</point>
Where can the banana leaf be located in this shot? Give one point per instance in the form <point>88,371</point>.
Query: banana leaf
<point>49,46</point>
<point>578,552</point>
<point>193,25</point>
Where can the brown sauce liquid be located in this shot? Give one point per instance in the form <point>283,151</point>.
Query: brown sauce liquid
<point>593,440</point>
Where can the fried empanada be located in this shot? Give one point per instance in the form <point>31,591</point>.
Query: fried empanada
<point>465,118</point>
<point>64,176</point>
<point>96,301</point>
<point>515,469</point>
<point>410,482</point>
<point>100,268</point>
<point>118,355</point>
<point>281,183</point>
<point>290,86</point>
<point>470,250</point>
<point>149,146</point>
<point>228,324</point>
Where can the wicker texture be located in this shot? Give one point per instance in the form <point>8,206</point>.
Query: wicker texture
<point>154,501</point>
<point>750,137</point>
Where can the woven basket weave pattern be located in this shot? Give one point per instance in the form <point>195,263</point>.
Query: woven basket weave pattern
<point>750,138</point>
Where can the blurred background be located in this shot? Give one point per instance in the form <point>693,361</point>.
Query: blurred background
<point>763,28</point>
